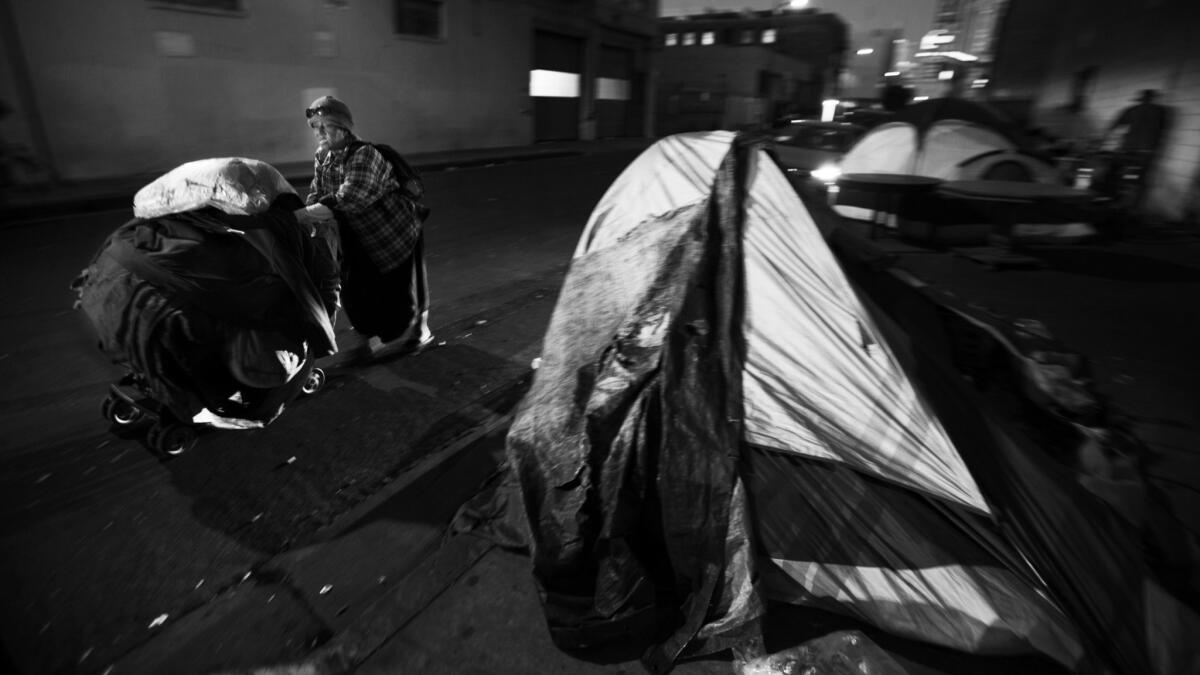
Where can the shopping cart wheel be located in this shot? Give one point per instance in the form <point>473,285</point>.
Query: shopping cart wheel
<point>119,411</point>
<point>170,438</point>
<point>316,380</point>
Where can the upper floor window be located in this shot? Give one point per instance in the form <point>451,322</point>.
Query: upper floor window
<point>768,36</point>
<point>689,39</point>
<point>708,37</point>
<point>746,36</point>
<point>671,39</point>
<point>422,18</point>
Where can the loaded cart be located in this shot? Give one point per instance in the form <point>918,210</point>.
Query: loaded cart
<point>214,300</point>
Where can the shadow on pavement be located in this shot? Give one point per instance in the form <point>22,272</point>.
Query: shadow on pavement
<point>274,488</point>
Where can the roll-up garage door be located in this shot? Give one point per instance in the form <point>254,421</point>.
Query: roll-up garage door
<point>614,93</point>
<point>554,85</point>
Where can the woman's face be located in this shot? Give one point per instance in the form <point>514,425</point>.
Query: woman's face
<point>330,136</point>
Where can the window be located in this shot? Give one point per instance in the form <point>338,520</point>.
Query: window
<point>553,84</point>
<point>768,36</point>
<point>612,89</point>
<point>422,18</point>
<point>671,39</point>
<point>689,39</point>
<point>708,37</point>
<point>746,36</point>
<point>211,6</point>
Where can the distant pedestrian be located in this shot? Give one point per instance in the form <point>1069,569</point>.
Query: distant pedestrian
<point>385,289</point>
<point>1144,125</point>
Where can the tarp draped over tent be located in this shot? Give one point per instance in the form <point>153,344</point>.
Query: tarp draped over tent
<point>722,417</point>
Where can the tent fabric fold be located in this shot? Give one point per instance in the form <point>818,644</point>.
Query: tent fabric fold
<point>625,447</point>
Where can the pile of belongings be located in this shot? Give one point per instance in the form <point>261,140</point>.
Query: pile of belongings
<point>213,296</point>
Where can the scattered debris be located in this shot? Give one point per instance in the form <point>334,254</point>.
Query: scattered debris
<point>481,322</point>
<point>537,363</point>
<point>326,588</point>
<point>256,518</point>
<point>199,584</point>
<point>247,575</point>
<point>292,459</point>
<point>42,479</point>
<point>382,579</point>
<point>158,621</point>
<point>85,655</point>
<point>442,343</point>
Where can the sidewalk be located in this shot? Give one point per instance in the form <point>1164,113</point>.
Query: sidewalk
<point>39,202</point>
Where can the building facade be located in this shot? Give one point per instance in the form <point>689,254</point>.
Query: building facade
<point>731,70</point>
<point>1076,64</point>
<point>138,86</point>
<point>870,61</point>
<point>955,57</point>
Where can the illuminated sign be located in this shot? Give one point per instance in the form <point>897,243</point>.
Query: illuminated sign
<point>935,38</point>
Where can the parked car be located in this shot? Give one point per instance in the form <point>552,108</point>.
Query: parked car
<point>814,149</point>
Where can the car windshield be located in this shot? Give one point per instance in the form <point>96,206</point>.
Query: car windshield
<point>816,138</point>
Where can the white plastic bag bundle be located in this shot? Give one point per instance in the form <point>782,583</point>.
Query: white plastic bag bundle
<point>235,185</point>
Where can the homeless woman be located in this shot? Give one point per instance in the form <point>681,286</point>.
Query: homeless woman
<point>385,289</point>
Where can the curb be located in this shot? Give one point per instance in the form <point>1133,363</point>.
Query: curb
<point>122,197</point>
<point>389,614</point>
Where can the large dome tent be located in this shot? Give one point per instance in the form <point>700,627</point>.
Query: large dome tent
<point>722,418</point>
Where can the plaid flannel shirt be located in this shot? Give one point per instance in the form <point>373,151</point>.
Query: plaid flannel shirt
<point>362,190</point>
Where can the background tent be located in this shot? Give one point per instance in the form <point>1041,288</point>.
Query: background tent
<point>722,416</point>
<point>1020,166</point>
<point>935,149</point>
<point>950,139</point>
<point>923,114</point>
<point>1006,165</point>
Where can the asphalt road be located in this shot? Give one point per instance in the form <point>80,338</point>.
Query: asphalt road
<point>99,537</point>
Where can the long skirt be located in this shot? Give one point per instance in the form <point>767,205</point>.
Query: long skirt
<point>389,304</point>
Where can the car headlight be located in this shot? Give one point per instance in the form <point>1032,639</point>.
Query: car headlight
<point>827,173</point>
